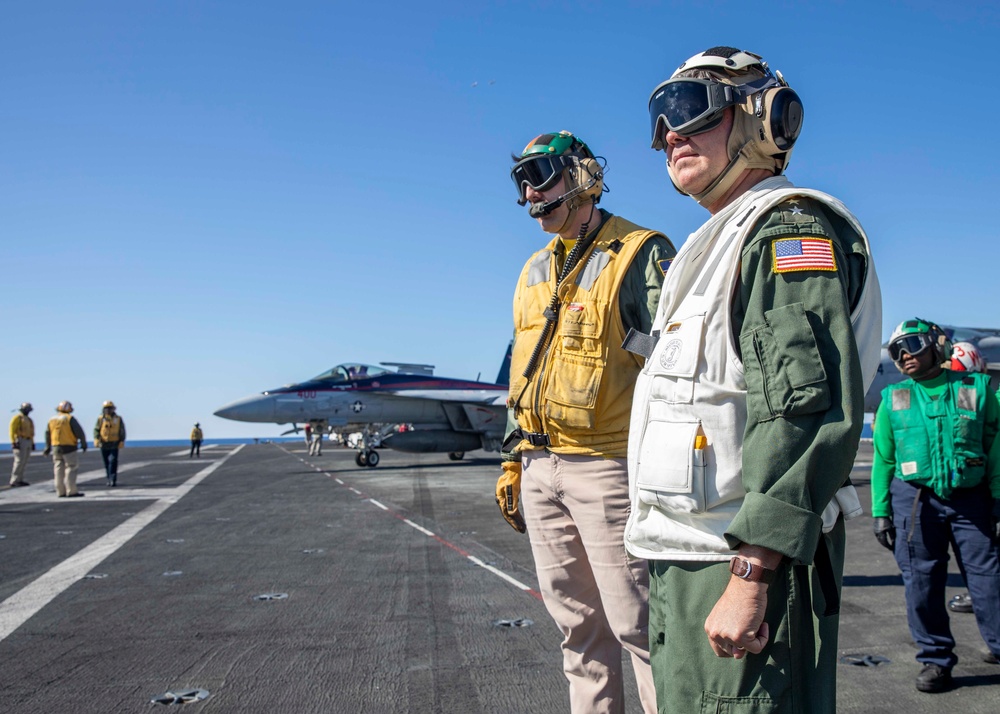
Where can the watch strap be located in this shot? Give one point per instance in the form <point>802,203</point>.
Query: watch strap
<point>744,569</point>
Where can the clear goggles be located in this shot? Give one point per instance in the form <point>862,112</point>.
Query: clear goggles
<point>540,172</point>
<point>910,344</point>
<point>689,106</point>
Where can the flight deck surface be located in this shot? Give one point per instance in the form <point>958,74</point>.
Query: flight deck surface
<point>277,582</point>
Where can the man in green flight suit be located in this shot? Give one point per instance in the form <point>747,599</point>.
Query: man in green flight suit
<point>935,480</point>
<point>747,415</point>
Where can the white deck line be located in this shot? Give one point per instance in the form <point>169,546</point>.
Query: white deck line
<point>25,603</point>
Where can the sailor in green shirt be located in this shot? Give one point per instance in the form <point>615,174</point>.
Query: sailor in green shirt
<point>935,480</point>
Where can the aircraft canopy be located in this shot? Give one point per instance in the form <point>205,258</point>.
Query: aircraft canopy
<point>350,372</point>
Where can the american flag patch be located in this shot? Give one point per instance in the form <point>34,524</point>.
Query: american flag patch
<point>792,254</point>
<point>664,265</point>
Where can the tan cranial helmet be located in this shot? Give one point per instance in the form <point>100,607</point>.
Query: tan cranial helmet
<point>65,407</point>
<point>766,123</point>
<point>108,405</point>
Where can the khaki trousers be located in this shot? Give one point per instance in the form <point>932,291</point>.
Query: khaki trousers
<point>576,508</point>
<point>21,455</point>
<point>65,466</point>
<point>316,445</point>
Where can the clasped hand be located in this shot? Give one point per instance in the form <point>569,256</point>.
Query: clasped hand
<point>736,624</point>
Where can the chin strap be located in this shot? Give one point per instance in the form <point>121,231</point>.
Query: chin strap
<point>722,183</point>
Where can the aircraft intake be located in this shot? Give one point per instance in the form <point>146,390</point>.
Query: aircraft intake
<point>427,441</point>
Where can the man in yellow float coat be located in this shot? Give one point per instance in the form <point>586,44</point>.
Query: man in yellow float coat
<point>109,437</point>
<point>61,438</point>
<point>570,393</point>
<point>22,442</point>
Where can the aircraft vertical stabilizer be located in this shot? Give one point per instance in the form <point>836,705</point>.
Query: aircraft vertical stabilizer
<point>504,376</point>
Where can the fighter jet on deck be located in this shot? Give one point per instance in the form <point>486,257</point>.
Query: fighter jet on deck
<point>986,340</point>
<point>446,415</point>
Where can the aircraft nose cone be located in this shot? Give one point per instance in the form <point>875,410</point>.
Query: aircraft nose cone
<point>259,408</point>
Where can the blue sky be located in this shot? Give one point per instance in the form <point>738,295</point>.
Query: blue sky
<point>202,200</point>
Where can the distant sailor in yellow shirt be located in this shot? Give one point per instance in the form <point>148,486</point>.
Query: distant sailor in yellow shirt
<point>196,437</point>
<point>109,437</point>
<point>22,443</point>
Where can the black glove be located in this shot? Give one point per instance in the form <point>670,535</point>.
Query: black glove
<point>885,533</point>
<point>996,520</point>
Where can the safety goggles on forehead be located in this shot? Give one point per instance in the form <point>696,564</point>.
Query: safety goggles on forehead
<point>910,344</point>
<point>689,106</point>
<point>540,172</point>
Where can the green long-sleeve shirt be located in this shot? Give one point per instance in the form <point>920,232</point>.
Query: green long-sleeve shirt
<point>884,442</point>
<point>805,392</point>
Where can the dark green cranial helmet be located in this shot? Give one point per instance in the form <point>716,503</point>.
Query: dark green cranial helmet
<point>916,335</point>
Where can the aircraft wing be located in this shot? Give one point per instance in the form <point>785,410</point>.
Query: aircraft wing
<point>494,397</point>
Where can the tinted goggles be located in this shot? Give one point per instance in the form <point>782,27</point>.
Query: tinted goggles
<point>539,172</point>
<point>689,106</point>
<point>910,344</point>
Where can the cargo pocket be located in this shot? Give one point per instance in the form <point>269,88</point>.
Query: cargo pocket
<point>783,368</point>
<point>674,361</point>
<point>671,466</point>
<point>715,704</point>
<point>571,395</point>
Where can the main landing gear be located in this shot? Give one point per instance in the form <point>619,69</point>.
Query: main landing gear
<point>367,458</point>
<point>456,455</point>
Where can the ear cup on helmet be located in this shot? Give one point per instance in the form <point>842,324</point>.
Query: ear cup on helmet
<point>588,170</point>
<point>782,119</point>
<point>941,342</point>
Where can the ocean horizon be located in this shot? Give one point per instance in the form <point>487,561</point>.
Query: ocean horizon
<point>866,433</point>
<point>39,445</point>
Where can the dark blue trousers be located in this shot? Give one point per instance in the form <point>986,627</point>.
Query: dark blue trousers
<point>110,457</point>
<point>964,521</point>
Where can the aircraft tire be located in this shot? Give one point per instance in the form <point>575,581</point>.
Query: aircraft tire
<point>373,459</point>
<point>361,459</point>
<point>456,455</point>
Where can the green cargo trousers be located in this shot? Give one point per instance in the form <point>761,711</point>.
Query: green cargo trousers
<point>796,673</point>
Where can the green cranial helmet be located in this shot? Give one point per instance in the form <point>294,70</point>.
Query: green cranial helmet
<point>549,157</point>
<point>916,335</point>
<point>557,144</point>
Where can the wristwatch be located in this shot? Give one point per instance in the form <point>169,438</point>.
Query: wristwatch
<point>742,568</point>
